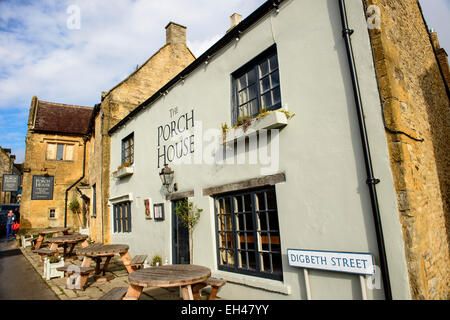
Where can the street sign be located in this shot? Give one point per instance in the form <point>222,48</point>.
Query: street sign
<point>42,188</point>
<point>349,262</point>
<point>10,183</point>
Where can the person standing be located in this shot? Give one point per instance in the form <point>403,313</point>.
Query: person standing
<point>9,222</point>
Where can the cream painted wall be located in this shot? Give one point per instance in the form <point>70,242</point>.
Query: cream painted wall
<point>324,203</point>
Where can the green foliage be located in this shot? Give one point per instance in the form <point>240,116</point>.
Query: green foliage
<point>74,206</point>
<point>188,213</point>
<point>53,259</point>
<point>156,258</point>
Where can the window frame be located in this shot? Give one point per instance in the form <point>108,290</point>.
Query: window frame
<point>130,137</point>
<point>253,65</point>
<point>119,221</point>
<point>235,234</point>
<point>64,146</point>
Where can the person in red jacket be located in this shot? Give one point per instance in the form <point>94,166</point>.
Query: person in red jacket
<point>9,222</point>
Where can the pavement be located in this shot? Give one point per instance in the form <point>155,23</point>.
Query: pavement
<point>22,278</point>
<point>18,279</point>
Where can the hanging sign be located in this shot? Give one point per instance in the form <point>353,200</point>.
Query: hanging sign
<point>42,188</point>
<point>10,183</point>
<point>349,262</point>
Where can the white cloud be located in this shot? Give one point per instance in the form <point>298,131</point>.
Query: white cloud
<point>42,57</point>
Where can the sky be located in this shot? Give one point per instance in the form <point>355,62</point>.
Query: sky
<point>45,50</point>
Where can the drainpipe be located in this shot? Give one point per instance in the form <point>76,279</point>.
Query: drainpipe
<point>76,182</point>
<point>371,180</point>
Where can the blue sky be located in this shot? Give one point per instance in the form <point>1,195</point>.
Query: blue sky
<point>40,55</point>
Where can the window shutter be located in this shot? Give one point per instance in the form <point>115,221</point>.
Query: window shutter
<point>51,151</point>
<point>69,152</point>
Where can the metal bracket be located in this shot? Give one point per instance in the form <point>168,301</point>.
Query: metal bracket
<point>373,181</point>
<point>347,31</point>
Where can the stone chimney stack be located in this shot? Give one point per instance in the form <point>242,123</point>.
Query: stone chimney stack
<point>175,33</point>
<point>235,19</point>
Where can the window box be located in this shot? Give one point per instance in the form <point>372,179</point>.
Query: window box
<point>123,172</point>
<point>272,120</point>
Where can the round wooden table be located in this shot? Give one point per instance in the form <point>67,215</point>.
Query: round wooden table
<point>174,275</point>
<point>69,239</point>
<point>44,232</point>
<point>98,251</point>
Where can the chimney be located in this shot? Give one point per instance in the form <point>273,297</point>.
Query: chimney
<point>175,33</point>
<point>235,19</point>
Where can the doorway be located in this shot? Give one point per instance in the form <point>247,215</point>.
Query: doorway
<point>180,238</point>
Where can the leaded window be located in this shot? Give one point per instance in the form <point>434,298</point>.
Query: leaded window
<point>256,86</point>
<point>128,149</point>
<point>248,233</point>
<point>122,217</point>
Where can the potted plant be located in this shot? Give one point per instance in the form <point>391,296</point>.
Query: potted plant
<point>74,206</point>
<point>189,215</point>
<point>50,265</point>
<point>156,260</point>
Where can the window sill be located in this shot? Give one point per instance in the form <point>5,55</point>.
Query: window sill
<point>273,120</point>
<point>255,282</point>
<point>124,172</point>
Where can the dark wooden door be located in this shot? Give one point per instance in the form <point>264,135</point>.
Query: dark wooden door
<point>180,239</point>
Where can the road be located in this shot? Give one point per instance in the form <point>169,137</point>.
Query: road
<point>18,279</point>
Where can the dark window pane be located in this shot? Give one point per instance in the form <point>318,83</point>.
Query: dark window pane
<point>60,152</point>
<point>263,69</point>
<point>251,76</point>
<point>265,84</point>
<point>266,100</point>
<point>273,62</point>
<point>242,82</point>
<point>252,92</point>
<point>262,221</point>
<point>275,79</point>
<point>253,107</point>
<point>273,221</point>
<point>243,96</point>
<point>276,95</point>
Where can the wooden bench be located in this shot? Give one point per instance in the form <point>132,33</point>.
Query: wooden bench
<point>83,271</point>
<point>215,284</point>
<point>138,261</point>
<point>45,252</point>
<point>115,294</point>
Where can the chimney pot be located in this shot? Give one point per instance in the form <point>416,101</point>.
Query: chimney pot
<point>235,19</point>
<point>175,33</point>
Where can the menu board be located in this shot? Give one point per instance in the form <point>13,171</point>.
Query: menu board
<point>42,188</point>
<point>10,183</point>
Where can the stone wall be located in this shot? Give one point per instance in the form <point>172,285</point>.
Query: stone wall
<point>6,162</point>
<point>415,102</point>
<point>35,213</point>
<point>160,68</point>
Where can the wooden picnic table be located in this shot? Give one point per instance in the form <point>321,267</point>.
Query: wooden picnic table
<point>98,251</point>
<point>43,232</point>
<point>69,239</point>
<point>174,275</point>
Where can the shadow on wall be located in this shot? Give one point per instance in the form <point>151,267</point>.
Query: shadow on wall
<point>438,109</point>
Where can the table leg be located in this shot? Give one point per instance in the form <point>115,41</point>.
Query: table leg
<point>65,249</point>
<point>196,290</point>
<point>86,262</point>
<point>38,242</point>
<point>105,265</point>
<point>71,249</point>
<point>186,291</point>
<point>126,259</point>
<point>97,265</point>
<point>133,293</point>
<point>66,232</point>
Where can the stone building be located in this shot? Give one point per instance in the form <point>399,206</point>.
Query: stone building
<point>162,66</point>
<point>55,159</point>
<point>413,77</point>
<point>363,166</point>
<point>8,167</point>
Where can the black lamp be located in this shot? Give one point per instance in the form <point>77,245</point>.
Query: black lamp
<point>166,176</point>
